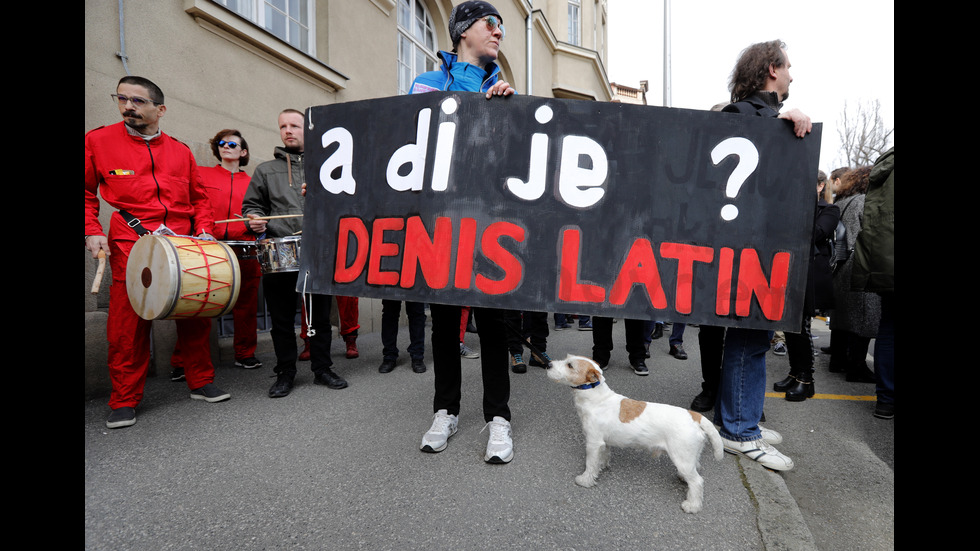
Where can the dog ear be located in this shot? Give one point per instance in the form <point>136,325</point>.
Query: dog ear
<point>592,375</point>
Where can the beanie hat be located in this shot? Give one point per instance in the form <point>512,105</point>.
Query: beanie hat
<point>465,15</point>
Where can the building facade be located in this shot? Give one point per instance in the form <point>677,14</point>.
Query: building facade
<point>238,63</point>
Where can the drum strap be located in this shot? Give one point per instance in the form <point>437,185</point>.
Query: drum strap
<point>134,223</point>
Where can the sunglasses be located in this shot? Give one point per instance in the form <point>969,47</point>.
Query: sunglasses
<point>494,23</point>
<point>137,101</point>
<point>231,145</point>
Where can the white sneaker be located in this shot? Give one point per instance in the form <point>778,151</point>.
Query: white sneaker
<point>771,436</point>
<point>760,451</point>
<point>500,446</point>
<point>468,352</point>
<point>443,426</point>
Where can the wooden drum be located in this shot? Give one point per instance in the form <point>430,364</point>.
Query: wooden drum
<point>178,277</point>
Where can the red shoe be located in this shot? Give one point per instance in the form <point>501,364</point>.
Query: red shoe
<point>351,341</point>
<point>304,356</point>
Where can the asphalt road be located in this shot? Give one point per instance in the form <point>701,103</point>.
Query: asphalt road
<point>341,469</point>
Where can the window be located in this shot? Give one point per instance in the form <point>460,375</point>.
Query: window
<point>289,20</point>
<point>416,43</point>
<point>575,22</point>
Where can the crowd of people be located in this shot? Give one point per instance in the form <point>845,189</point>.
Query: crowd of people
<point>158,188</point>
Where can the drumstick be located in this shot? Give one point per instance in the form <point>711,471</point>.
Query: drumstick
<point>98,273</point>
<point>258,218</point>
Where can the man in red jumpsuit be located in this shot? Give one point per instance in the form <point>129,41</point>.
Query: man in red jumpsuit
<point>152,178</point>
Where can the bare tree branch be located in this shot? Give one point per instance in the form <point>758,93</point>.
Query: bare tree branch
<point>863,135</point>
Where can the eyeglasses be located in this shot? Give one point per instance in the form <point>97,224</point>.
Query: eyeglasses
<point>493,23</point>
<point>137,101</point>
<point>231,145</point>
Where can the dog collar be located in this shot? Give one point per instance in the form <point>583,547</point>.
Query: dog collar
<point>587,386</point>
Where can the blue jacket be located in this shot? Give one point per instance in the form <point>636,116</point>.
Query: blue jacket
<point>442,79</point>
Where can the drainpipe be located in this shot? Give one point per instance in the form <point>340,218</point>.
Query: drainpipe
<point>121,54</point>
<point>527,22</point>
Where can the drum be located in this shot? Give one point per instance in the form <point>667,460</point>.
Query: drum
<point>279,254</point>
<point>178,277</point>
<point>244,250</point>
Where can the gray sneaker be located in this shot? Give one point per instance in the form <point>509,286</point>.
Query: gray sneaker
<point>121,417</point>
<point>437,438</point>
<point>500,446</point>
<point>468,352</point>
<point>210,393</point>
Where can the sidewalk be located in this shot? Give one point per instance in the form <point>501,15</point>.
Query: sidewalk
<point>341,469</point>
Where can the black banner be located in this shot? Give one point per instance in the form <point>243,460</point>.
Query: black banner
<point>554,205</point>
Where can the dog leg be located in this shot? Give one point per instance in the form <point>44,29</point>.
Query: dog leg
<point>688,470</point>
<point>593,464</point>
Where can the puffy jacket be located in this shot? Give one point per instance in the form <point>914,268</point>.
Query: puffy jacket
<point>225,191</point>
<point>874,251</point>
<point>276,189</point>
<point>155,181</point>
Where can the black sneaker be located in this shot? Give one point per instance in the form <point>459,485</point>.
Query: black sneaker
<point>537,363</point>
<point>283,385</point>
<point>248,363</point>
<point>210,393</point>
<point>329,378</point>
<point>884,411</point>
<point>418,365</point>
<point>705,401</point>
<point>177,374</point>
<point>640,368</point>
<point>121,417</point>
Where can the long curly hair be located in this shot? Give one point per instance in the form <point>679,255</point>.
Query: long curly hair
<point>752,68</point>
<point>854,182</point>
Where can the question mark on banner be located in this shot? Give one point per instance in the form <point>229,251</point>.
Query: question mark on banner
<point>748,160</point>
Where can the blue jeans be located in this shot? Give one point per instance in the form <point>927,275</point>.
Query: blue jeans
<point>742,389</point>
<point>885,353</point>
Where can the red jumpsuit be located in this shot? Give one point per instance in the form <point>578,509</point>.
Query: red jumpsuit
<point>155,181</point>
<point>225,191</point>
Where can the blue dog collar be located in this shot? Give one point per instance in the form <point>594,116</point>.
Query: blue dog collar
<point>587,386</point>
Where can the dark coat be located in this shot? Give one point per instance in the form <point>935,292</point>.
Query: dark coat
<point>820,280</point>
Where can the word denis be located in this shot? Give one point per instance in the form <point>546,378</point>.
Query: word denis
<point>445,257</point>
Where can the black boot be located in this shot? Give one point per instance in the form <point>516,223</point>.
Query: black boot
<point>783,386</point>
<point>801,389</point>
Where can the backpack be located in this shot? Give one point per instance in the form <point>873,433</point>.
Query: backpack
<point>839,242</point>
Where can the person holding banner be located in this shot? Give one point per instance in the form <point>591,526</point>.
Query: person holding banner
<point>476,30</point>
<point>759,84</point>
<point>152,179</point>
<point>276,189</point>
<point>225,184</point>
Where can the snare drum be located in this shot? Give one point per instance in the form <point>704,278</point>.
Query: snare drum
<point>279,254</point>
<point>178,277</point>
<point>244,250</point>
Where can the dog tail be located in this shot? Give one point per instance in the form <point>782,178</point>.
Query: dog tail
<point>709,430</point>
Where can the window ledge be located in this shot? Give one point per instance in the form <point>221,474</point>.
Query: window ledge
<point>244,33</point>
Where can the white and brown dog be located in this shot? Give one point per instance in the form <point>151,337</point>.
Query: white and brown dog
<point>610,419</point>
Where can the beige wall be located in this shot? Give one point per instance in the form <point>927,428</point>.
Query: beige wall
<point>219,71</point>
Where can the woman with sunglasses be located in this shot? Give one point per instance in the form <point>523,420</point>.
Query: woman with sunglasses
<point>476,30</point>
<point>226,183</point>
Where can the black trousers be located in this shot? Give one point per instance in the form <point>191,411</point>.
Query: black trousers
<point>711,344</point>
<point>283,301</point>
<point>602,342</point>
<point>533,325</point>
<point>447,365</point>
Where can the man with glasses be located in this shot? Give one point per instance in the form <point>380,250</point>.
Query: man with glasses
<point>476,30</point>
<point>152,180</point>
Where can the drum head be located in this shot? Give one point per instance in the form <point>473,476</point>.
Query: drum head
<point>153,277</point>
